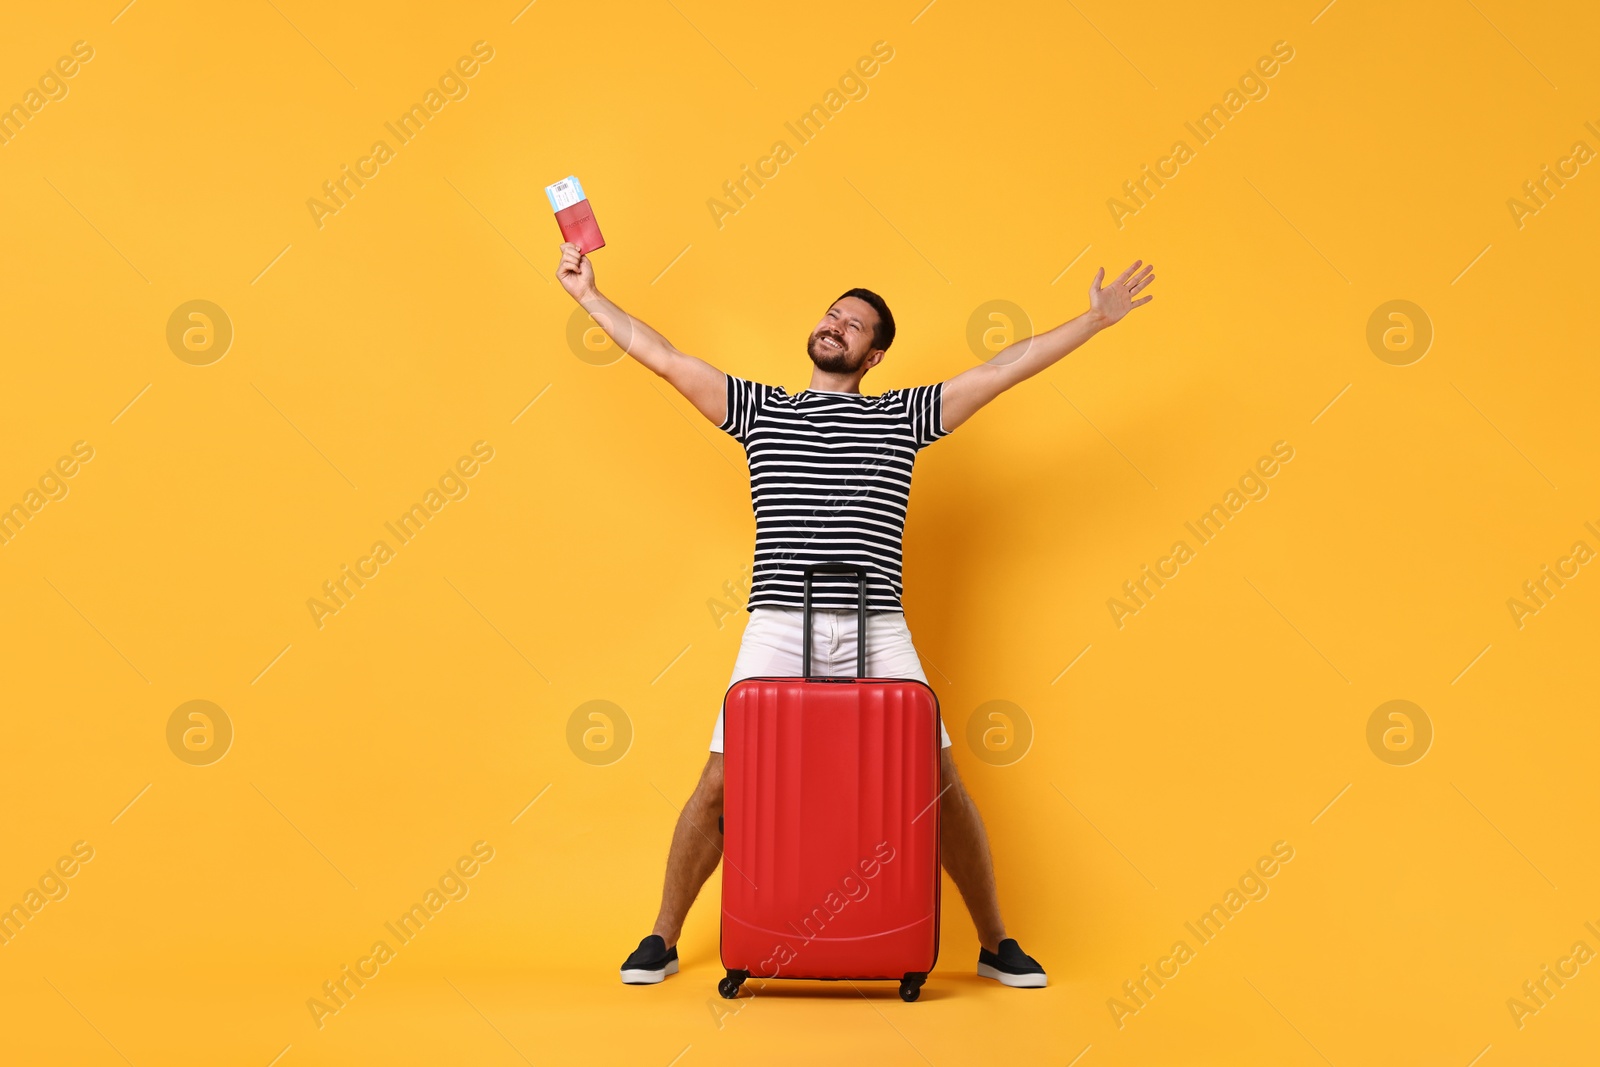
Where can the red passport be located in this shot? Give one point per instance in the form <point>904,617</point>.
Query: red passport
<point>574,215</point>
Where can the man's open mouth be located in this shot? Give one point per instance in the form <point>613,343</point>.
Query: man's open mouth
<point>830,342</point>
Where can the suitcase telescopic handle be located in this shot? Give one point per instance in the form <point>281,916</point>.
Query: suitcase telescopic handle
<point>861,625</point>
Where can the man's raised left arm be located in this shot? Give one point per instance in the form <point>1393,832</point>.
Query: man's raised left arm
<point>971,389</point>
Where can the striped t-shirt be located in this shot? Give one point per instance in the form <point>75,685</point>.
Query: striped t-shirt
<point>830,477</point>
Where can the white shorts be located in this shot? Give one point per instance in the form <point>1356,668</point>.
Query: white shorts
<point>771,649</point>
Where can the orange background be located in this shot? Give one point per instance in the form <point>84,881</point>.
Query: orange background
<point>368,354</point>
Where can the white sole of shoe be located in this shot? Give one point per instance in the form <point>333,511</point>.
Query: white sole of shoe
<point>642,977</point>
<point>1016,981</point>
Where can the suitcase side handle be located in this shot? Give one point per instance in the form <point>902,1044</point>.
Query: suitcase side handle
<point>861,625</point>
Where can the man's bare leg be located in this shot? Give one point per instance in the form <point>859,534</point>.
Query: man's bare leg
<point>964,850</point>
<point>696,851</point>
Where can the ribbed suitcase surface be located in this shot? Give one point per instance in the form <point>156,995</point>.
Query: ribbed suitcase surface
<point>831,828</point>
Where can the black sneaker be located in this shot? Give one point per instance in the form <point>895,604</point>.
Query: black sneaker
<point>653,960</point>
<point>1011,966</point>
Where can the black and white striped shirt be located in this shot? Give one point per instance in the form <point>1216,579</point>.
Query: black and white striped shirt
<point>830,478</point>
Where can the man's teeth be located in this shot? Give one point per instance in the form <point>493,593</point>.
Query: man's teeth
<point>831,341</point>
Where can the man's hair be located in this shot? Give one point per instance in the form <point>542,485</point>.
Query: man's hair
<point>883,333</point>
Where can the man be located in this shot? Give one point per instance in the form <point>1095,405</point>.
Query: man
<point>830,475</point>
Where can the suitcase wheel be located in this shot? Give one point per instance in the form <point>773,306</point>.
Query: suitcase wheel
<point>911,986</point>
<point>729,986</point>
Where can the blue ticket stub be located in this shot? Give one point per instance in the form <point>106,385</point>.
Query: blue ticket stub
<point>564,193</point>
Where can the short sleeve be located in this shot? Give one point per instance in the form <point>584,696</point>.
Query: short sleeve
<point>745,398</point>
<point>925,412</point>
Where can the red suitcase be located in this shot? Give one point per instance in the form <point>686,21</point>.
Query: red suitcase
<point>830,856</point>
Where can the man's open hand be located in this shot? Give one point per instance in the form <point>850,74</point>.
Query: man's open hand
<point>1117,299</point>
<point>576,273</point>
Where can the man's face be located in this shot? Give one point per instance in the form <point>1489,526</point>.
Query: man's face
<point>842,341</point>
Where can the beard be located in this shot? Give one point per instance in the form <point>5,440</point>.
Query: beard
<point>831,360</point>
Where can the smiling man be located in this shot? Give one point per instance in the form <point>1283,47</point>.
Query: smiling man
<point>830,480</point>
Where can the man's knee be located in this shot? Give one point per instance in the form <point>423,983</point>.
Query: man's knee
<point>949,777</point>
<point>952,791</point>
<point>708,793</point>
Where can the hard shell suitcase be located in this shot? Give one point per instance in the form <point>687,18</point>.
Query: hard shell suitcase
<point>830,860</point>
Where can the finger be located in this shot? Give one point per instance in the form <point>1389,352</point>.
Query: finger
<point>1095,284</point>
<point>1148,268</point>
<point>1142,300</point>
<point>1124,275</point>
<point>1140,287</point>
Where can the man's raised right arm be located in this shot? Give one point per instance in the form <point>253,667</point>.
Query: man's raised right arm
<point>702,385</point>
